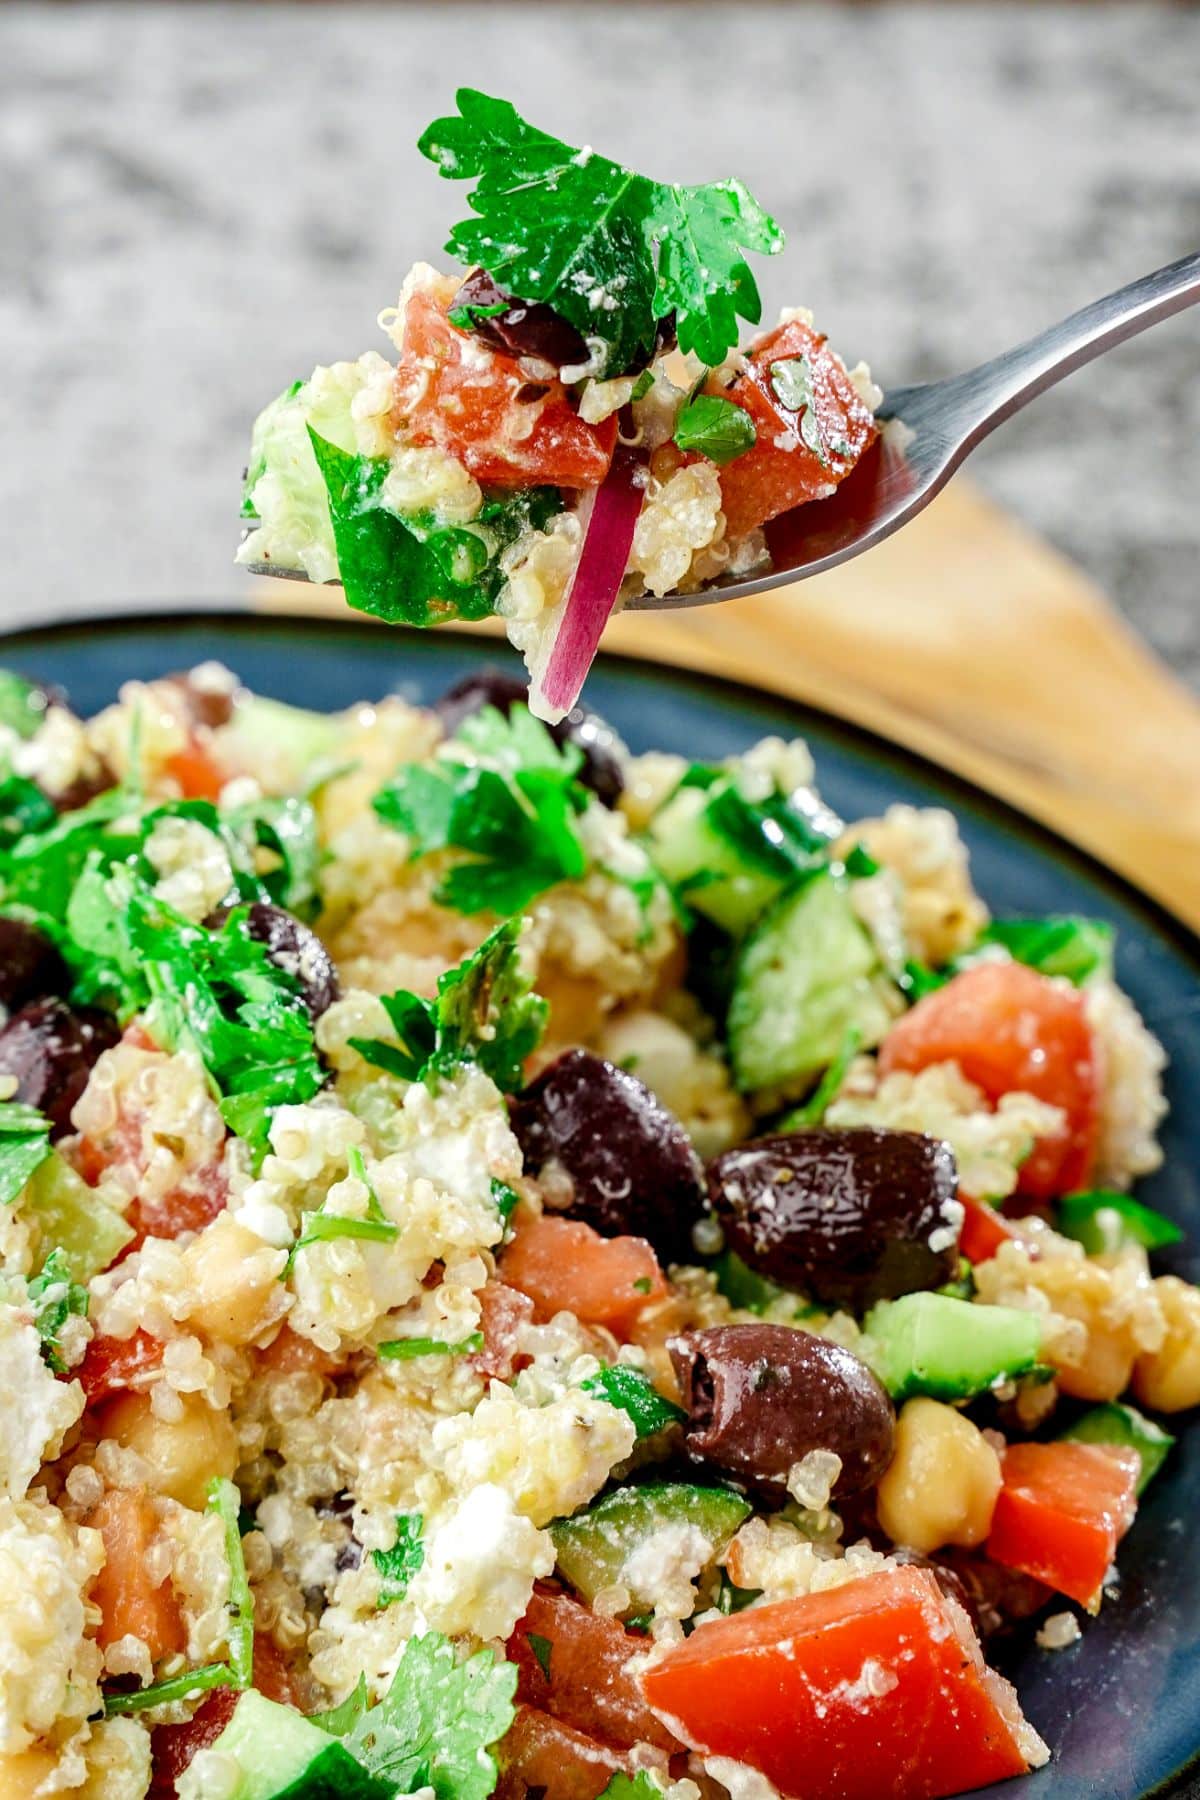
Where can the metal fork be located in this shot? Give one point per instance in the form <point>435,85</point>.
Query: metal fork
<point>928,431</point>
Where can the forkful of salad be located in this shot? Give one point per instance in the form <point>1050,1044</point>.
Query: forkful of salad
<point>568,426</point>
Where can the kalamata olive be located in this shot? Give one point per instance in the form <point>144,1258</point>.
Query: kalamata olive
<point>601,769</point>
<point>30,966</point>
<point>760,1397</point>
<point>629,1162</point>
<point>50,1048</point>
<point>998,1599</point>
<point>97,780</point>
<point>850,1217</point>
<point>524,328</point>
<point>299,952</point>
<point>208,702</point>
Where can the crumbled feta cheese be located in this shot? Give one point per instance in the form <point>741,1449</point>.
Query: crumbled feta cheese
<point>36,1409</point>
<point>481,1562</point>
<point>194,873</point>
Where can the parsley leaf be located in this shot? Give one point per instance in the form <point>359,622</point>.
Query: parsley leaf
<point>24,1146</point>
<point>23,808</point>
<point>484,1013</point>
<point>225,1501</point>
<point>434,1726</point>
<point>515,816</point>
<point>398,1565</point>
<point>507,1199</point>
<point>511,807</point>
<point>1061,945</point>
<point>176,1687</point>
<point>320,1226</point>
<point>286,828</point>
<point>792,380</point>
<point>55,1298</point>
<point>410,568</point>
<point>612,251</point>
<point>636,1395</point>
<point>716,428</point>
<point>632,1787</point>
<point>216,990</point>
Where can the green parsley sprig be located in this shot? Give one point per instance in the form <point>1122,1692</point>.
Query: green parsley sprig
<point>24,1146</point>
<point>398,1565</point>
<point>611,251</point>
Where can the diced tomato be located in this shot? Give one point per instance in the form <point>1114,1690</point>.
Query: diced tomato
<point>983,1230</point>
<point>781,471</point>
<point>111,1365</point>
<point>130,1601</point>
<point>579,1671</point>
<point>565,1266</point>
<point>542,1756</point>
<point>174,1746</point>
<point>875,1688</point>
<point>502,1312</point>
<point>1062,1511</point>
<point>196,771</point>
<point>481,407</point>
<point>1013,1031</point>
<point>291,1354</point>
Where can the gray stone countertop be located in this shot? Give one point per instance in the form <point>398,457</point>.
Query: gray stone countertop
<point>199,202</point>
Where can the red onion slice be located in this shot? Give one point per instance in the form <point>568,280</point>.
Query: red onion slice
<point>603,559</point>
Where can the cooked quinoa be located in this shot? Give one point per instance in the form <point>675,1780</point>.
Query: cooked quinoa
<point>478,1204</point>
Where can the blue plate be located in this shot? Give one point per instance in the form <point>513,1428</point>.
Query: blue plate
<point>1121,1709</point>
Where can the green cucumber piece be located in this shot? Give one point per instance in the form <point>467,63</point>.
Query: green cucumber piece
<point>705,867</point>
<point>595,1547</point>
<point>945,1348</point>
<point>289,738</point>
<point>280,1755</point>
<point>1105,1222</point>
<point>807,976</point>
<point>22,703</point>
<point>1116,1423</point>
<point>75,1219</point>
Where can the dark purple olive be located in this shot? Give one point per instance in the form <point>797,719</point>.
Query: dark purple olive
<point>50,1048</point>
<point>997,1599</point>
<point>524,328</point>
<point>292,947</point>
<point>601,769</point>
<point>630,1163</point>
<point>206,705</point>
<point>30,966</point>
<point>98,780</point>
<point>850,1217</point>
<point>760,1397</point>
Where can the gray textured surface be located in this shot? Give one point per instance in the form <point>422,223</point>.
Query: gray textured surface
<point>197,203</point>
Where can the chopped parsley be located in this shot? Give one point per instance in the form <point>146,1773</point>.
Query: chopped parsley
<point>634,1394</point>
<point>167,1693</point>
<point>406,1349</point>
<point>632,1787</point>
<point>24,1146</point>
<point>801,1118</point>
<point>506,795</point>
<point>214,990</point>
<point>55,1298</point>
<point>436,1723</point>
<point>506,1198</point>
<point>1104,1222</point>
<point>409,568</point>
<point>23,808</point>
<point>398,1565</point>
<point>484,1013</point>
<point>715,428</point>
<point>792,380</point>
<point>225,1501</point>
<point>322,1226</point>
<point>611,251</point>
<point>542,1648</point>
<point>286,828</point>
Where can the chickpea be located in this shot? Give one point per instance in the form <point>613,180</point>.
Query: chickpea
<point>236,1277</point>
<point>1169,1379</point>
<point>942,1483</point>
<point>183,1455</point>
<point>23,1774</point>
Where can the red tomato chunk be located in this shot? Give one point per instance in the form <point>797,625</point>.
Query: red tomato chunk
<point>542,1756</point>
<point>565,1266</point>
<point>482,408</point>
<point>1062,1511</point>
<point>875,1689</point>
<point>1011,1030</point>
<point>112,1365</point>
<point>578,1669</point>
<point>781,471</point>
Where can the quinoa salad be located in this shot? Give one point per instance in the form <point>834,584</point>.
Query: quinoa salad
<point>569,424</point>
<point>538,1271</point>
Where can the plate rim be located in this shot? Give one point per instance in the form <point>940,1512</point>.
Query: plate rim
<point>1182,1783</point>
<point>866,737</point>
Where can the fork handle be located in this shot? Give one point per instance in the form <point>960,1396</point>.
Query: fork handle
<point>993,391</point>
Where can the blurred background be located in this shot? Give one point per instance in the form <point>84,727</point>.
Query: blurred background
<point>197,202</point>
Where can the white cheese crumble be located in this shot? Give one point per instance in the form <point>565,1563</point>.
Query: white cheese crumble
<point>36,1409</point>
